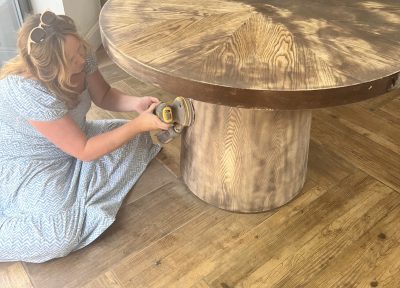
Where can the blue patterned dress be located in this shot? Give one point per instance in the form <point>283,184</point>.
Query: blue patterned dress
<point>50,202</point>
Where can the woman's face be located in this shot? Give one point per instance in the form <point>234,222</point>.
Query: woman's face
<point>75,54</point>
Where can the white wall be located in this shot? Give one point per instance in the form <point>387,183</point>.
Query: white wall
<point>42,5</point>
<point>86,16</point>
<point>84,12</point>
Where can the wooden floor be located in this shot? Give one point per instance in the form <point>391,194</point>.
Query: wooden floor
<point>342,231</point>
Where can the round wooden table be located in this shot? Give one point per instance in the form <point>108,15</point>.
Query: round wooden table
<point>254,69</point>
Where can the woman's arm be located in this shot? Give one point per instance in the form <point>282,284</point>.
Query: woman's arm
<point>112,99</point>
<point>66,135</point>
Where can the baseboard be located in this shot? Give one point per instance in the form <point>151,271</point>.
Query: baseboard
<point>93,36</point>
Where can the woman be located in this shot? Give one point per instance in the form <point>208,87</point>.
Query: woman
<point>62,178</point>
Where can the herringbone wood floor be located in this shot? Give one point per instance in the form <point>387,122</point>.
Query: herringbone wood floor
<point>342,231</point>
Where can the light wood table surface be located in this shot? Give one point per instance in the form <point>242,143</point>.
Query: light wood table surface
<point>254,70</point>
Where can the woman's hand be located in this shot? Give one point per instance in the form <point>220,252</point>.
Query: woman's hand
<point>148,121</point>
<point>143,103</point>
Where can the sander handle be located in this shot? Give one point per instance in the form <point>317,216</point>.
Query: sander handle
<point>164,113</point>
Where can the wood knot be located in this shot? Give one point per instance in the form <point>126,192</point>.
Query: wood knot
<point>374,283</point>
<point>382,236</point>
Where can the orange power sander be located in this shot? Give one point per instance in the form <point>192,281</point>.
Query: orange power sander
<point>180,113</point>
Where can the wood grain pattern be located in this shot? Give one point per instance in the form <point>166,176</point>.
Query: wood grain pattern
<point>364,153</point>
<point>312,253</point>
<point>155,177</point>
<point>282,237</point>
<point>243,159</point>
<point>387,129</point>
<point>107,280</point>
<point>185,256</point>
<point>393,108</point>
<point>365,261</point>
<point>215,248</point>
<point>376,103</point>
<point>253,53</point>
<point>14,275</point>
<point>201,284</point>
<point>132,231</point>
<point>325,167</point>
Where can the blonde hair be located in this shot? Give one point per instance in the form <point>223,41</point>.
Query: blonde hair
<point>47,61</point>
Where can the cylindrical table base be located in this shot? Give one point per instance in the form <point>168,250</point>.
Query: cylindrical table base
<point>245,160</point>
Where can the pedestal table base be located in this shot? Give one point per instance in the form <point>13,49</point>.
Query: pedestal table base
<point>245,160</point>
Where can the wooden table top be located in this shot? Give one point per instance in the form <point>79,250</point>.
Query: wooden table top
<point>279,54</point>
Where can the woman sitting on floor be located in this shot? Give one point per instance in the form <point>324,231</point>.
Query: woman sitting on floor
<point>62,178</point>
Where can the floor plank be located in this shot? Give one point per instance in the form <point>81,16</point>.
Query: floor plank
<point>181,259</point>
<point>373,258</point>
<point>137,226</point>
<point>283,246</point>
<point>393,107</point>
<point>170,156</point>
<point>325,167</point>
<point>96,113</point>
<point>155,177</point>
<point>304,263</point>
<point>383,131</point>
<point>365,154</point>
<point>201,284</point>
<point>14,275</point>
<point>107,280</point>
<point>377,102</point>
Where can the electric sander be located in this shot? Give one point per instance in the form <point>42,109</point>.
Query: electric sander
<point>180,113</point>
